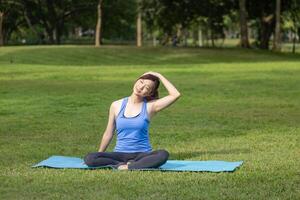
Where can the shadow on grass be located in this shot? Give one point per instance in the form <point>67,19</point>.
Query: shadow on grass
<point>193,154</point>
<point>128,55</point>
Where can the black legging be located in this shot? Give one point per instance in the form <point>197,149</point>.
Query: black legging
<point>138,160</point>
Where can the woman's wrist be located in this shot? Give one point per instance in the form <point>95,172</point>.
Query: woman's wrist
<point>158,75</point>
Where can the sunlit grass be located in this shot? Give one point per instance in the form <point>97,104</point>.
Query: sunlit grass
<point>235,105</point>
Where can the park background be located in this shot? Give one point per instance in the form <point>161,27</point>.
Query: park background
<point>235,63</point>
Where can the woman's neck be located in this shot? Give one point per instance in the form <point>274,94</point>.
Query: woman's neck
<point>135,99</point>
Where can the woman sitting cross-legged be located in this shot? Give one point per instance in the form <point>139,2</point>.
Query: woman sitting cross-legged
<point>130,117</point>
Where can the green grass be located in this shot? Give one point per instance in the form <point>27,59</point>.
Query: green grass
<point>235,105</point>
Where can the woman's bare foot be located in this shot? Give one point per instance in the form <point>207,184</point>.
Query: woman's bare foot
<point>123,167</point>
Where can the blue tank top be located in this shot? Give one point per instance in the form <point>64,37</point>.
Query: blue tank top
<point>132,132</point>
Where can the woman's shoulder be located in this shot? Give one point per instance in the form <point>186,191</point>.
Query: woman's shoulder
<point>116,105</point>
<point>119,101</point>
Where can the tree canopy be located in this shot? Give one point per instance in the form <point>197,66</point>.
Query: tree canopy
<point>52,21</point>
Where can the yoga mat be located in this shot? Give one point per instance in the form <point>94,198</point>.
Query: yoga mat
<point>171,165</point>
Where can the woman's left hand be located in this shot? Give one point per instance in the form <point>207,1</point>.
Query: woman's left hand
<point>153,73</point>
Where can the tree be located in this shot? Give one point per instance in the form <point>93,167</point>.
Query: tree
<point>1,28</point>
<point>177,15</point>
<point>243,24</point>
<point>263,13</point>
<point>266,23</point>
<point>98,26</point>
<point>291,21</point>
<point>294,15</point>
<point>139,28</point>
<point>277,35</point>
<point>119,19</point>
<point>52,15</point>
<point>215,12</point>
<point>10,19</point>
<point>157,16</point>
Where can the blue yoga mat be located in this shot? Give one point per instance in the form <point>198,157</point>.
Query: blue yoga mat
<point>171,165</point>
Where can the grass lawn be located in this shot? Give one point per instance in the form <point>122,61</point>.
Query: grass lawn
<point>235,105</point>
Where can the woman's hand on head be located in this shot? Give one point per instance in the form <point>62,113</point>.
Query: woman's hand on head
<point>152,73</point>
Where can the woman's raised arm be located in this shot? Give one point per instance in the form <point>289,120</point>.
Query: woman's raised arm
<point>159,104</point>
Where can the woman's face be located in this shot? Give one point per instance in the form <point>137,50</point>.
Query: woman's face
<point>143,87</point>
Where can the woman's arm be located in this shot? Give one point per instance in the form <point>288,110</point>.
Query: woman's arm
<point>109,132</point>
<point>159,104</point>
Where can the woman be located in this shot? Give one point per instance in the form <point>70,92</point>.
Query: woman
<point>130,116</point>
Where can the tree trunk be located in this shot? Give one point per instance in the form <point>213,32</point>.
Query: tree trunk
<point>165,40</point>
<point>200,40</point>
<point>296,32</point>
<point>32,28</point>
<point>212,37</point>
<point>195,37</point>
<point>99,24</point>
<point>154,39</point>
<point>277,38</point>
<point>1,28</point>
<point>179,32</point>
<point>294,44</point>
<point>51,37</point>
<point>266,29</point>
<point>139,29</point>
<point>185,37</point>
<point>59,31</point>
<point>49,32</point>
<point>243,24</point>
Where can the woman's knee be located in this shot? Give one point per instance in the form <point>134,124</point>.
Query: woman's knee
<point>89,159</point>
<point>163,154</point>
